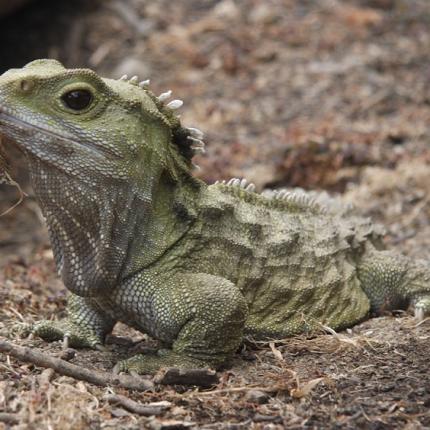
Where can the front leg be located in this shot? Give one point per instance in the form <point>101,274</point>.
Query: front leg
<point>200,316</point>
<point>86,325</point>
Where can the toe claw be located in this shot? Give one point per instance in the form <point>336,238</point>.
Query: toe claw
<point>66,341</point>
<point>100,347</point>
<point>419,314</point>
<point>71,335</point>
<point>422,308</point>
<point>134,374</point>
<point>116,370</point>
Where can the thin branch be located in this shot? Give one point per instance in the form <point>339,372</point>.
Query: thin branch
<point>15,184</point>
<point>9,418</point>
<point>62,367</point>
<point>148,409</point>
<point>272,389</point>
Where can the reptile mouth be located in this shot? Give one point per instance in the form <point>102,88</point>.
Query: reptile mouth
<point>8,116</point>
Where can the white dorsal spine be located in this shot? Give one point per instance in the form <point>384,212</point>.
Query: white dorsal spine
<point>134,80</point>
<point>175,104</point>
<point>195,132</point>
<point>164,96</point>
<point>239,183</point>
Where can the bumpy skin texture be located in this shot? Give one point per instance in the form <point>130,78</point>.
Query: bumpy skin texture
<point>137,239</point>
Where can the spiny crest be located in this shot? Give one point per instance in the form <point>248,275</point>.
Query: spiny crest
<point>189,140</point>
<point>297,198</point>
<point>239,183</point>
<point>333,203</point>
<point>134,80</point>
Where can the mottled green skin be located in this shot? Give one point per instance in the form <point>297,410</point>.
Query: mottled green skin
<point>137,239</point>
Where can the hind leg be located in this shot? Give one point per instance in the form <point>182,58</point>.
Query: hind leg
<point>393,281</point>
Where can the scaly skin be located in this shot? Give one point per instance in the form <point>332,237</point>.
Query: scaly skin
<point>137,239</point>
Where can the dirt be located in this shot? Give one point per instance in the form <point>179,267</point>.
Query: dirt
<point>318,94</point>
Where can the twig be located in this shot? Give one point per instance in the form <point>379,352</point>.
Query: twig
<point>273,389</point>
<point>421,322</point>
<point>415,212</point>
<point>9,418</point>
<point>21,194</point>
<point>62,367</point>
<point>45,378</point>
<point>340,338</point>
<point>148,409</point>
<point>375,100</point>
<point>175,376</point>
<point>260,418</point>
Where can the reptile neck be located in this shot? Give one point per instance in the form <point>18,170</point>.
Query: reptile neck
<point>104,231</point>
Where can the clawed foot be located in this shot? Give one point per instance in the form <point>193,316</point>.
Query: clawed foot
<point>149,364</point>
<point>71,335</point>
<point>422,308</point>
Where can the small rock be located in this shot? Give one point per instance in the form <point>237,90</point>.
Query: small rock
<point>262,14</point>
<point>68,354</point>
<point>119,413</point>
<point>257,396</point>
<point>426,402</point>
<point>226,9</point>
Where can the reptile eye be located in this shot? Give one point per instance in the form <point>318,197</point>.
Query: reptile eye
<point>77,99</point>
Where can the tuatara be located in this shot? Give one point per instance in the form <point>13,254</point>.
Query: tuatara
<point>138,239</point>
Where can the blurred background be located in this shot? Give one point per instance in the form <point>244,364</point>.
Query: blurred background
<point>305,93</point>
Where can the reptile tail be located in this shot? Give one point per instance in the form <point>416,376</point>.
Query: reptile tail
<point>393,281</point>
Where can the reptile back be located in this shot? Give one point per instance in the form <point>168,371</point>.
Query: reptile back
<point>294,260</point>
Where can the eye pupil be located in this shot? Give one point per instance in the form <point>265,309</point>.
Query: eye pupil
<point>77,99</point>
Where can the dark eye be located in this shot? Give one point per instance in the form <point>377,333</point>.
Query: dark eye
<point>77,99</point>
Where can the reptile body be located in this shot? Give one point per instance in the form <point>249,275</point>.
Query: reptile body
<point>138,239</point>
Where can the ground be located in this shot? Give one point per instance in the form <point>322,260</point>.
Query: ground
<point>319,94</point>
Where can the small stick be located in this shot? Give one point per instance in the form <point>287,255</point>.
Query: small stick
<point>15,184</point>
<point>148,409</point>
<point>45,378</point>
<point>9,418</point>
<point>175,376</point>
<point>62,367</point>
<point>272,389</point>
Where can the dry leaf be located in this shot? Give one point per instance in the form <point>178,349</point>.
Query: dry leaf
<point>341,338</point>
<point>276,352</point>
<point>304,390</point>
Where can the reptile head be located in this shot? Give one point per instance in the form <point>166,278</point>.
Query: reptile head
<point>92,128</point>
<point>110,164</point>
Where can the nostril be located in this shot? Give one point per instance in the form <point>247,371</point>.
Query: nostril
<point>26,85</point>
